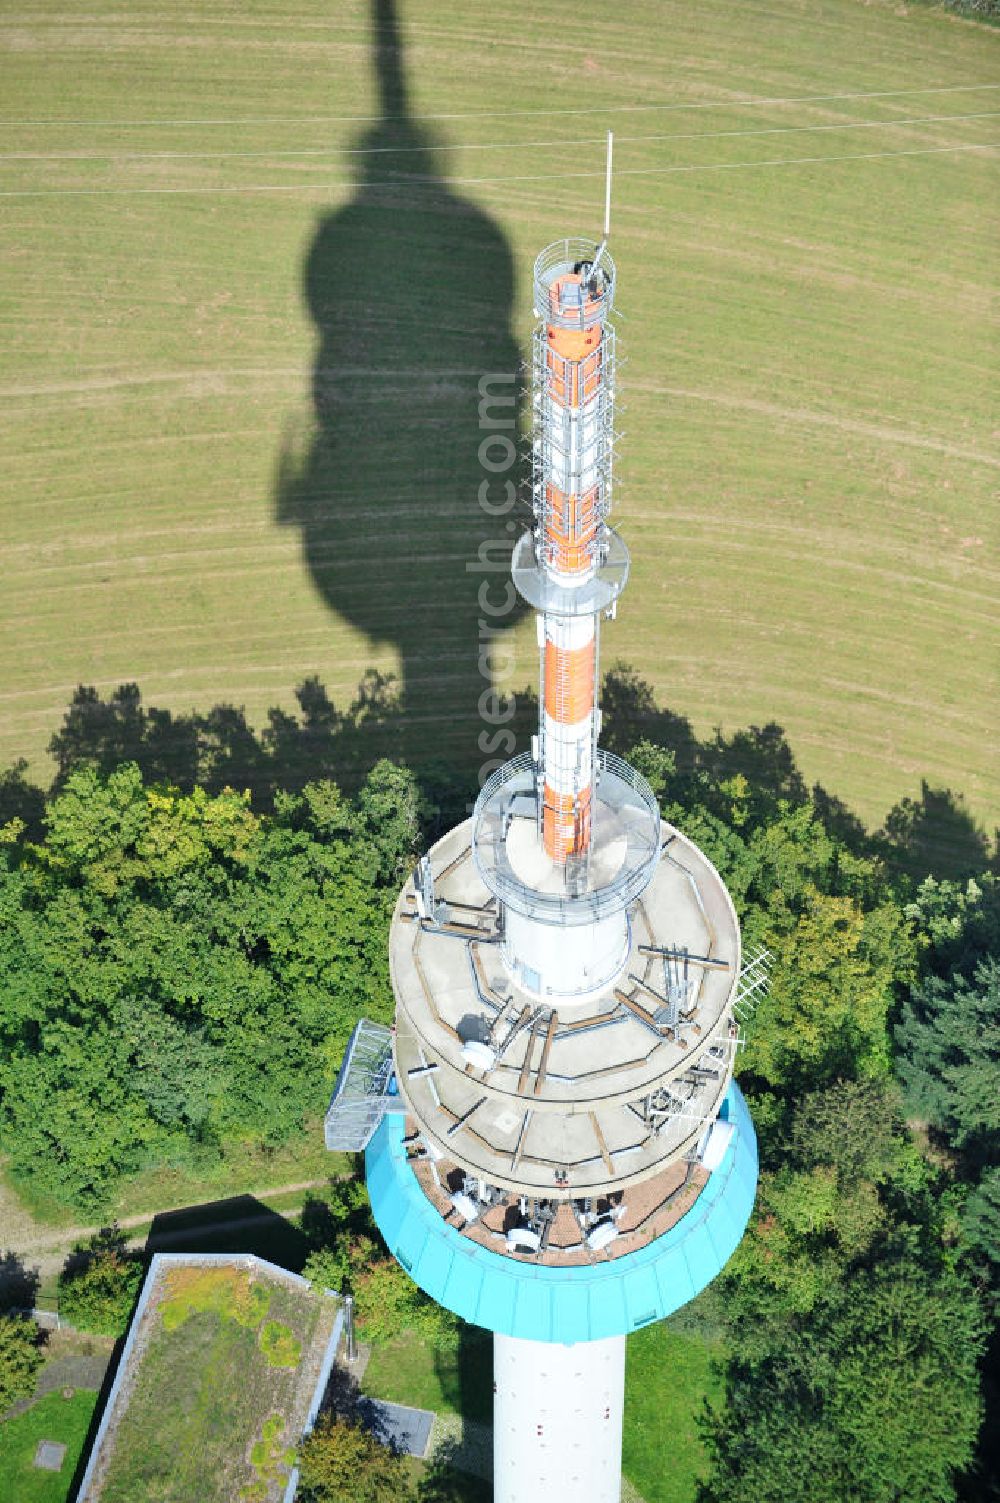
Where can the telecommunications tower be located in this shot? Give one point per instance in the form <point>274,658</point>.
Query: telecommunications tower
<point>556,1149</point>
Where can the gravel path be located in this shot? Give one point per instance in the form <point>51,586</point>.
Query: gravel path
<point>63,1372</point>
<point>15,1237</point>
<point>630,1493</point>
<point>45,1250</point>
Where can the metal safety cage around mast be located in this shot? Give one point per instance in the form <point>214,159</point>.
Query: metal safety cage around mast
<point>572,452</point>
<point>573,444</point>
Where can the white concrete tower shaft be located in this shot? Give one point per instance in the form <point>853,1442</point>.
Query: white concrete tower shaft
<point>557,1420</point>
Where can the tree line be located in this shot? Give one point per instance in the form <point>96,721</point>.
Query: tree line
<point>857,1312</point>
<point>218,748</point>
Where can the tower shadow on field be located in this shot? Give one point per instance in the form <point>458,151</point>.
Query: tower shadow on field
<point>410,289</point>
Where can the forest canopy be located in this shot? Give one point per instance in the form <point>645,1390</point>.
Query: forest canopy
<point>180,971</point>
<point>176,971</point>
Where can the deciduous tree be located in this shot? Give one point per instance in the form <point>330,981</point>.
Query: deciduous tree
<point>99,1286</point>
<point>177,972</point>
<point>20,1358</point>
<point>341,1462</point>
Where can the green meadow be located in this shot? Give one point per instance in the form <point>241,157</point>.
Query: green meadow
<point>256,259</point>
<point>63,1418</point>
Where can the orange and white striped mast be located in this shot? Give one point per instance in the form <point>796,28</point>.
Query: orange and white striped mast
<point>566,837</point>
<point>573,405</point>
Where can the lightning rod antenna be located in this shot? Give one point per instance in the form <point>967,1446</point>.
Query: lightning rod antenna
<point>607,210</point>
<point>607,189</point>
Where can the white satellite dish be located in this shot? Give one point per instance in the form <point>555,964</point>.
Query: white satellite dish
<point>523,1239</point>
<point>465,1206</point>
<point>602,1235</point>
<point>479,1055</point>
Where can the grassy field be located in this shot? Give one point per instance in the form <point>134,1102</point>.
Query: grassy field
<point>245,315</point>
<point>54,1417</point>
<point>459,1380</point>
<point>669,1377</point>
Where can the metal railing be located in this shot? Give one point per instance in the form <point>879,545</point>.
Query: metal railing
<point>361,1096</point>
<point>547,593</point>
<point>620,792</point>
<point>564,256</point>
<point>572,449</point>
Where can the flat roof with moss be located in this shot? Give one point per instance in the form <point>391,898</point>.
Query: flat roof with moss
<point>216,1384</point>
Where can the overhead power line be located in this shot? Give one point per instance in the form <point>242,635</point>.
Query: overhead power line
<point>539,177</point>
<point>747,102</point>
<point>353,151</point>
